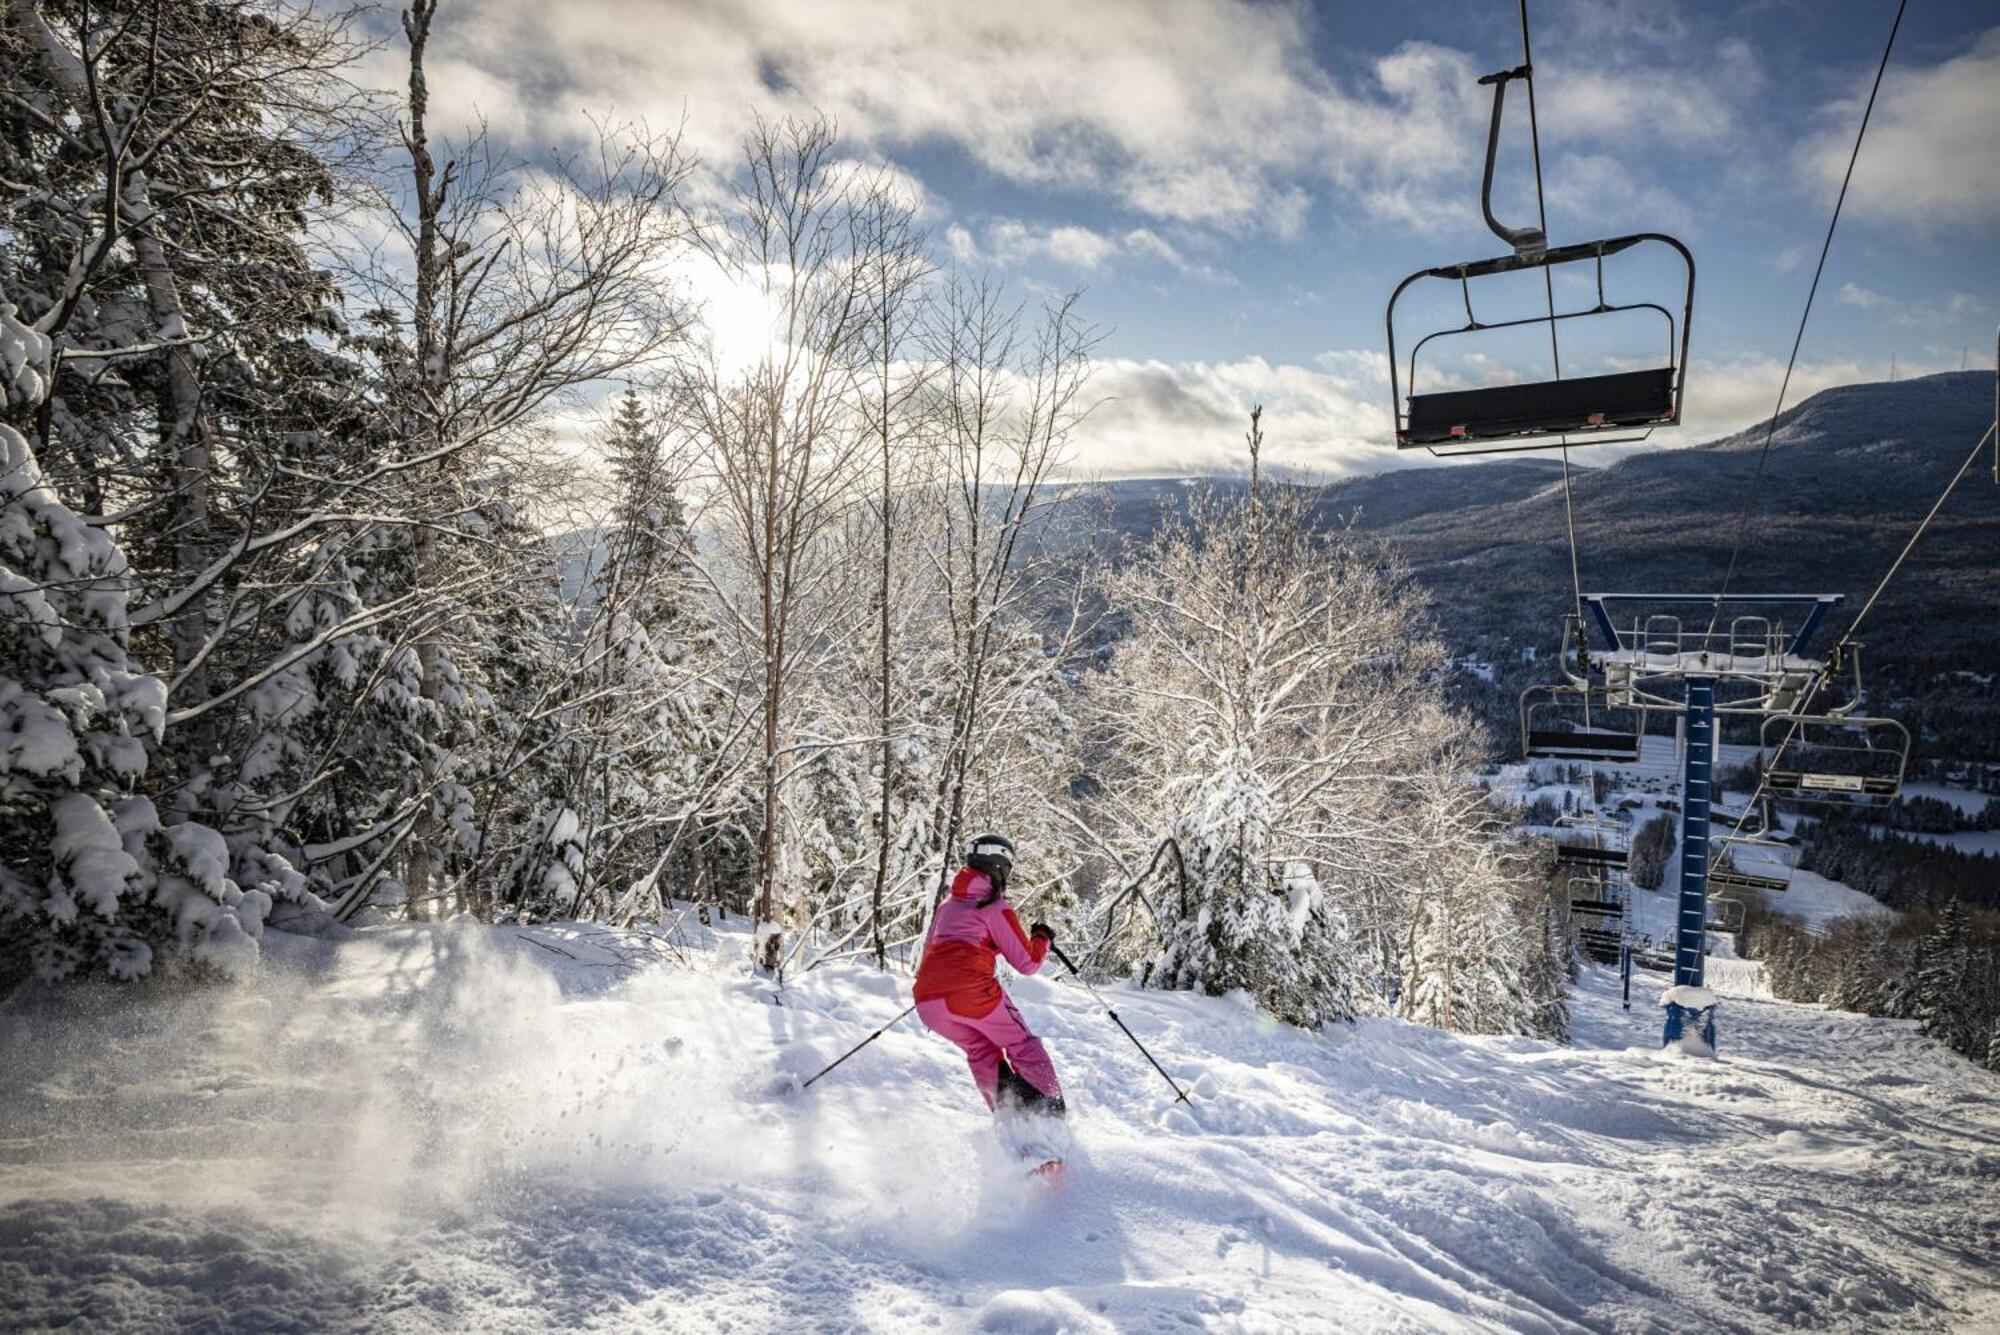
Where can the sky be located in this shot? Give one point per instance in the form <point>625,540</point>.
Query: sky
<point>1237,187</point>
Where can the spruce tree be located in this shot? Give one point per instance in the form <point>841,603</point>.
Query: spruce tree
<point>1942,981</point>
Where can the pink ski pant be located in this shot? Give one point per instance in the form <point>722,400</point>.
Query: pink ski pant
<point>987,1038</point>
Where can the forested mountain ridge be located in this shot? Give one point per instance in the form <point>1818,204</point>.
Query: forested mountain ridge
<point>1850,472</point>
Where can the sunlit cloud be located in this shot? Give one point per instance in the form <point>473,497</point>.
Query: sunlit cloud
<point>1932,156</point>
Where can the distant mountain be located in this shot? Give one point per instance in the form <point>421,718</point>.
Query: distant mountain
<point>1849,473</point>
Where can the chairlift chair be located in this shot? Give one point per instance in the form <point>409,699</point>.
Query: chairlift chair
<point>1543,414</point>
<point>1726,915</point>
<point>1592,844</point>
<point>1597,908</point>
<point>1729,876</point>
<point>1838,759</point>
<point>1561,721</point>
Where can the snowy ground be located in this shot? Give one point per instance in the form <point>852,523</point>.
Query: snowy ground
<point>1965,799</point>
<point>460,1128</point>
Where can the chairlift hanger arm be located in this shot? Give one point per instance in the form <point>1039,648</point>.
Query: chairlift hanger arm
<point>1529,241</point>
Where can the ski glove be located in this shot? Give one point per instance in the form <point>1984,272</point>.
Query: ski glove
<point>1044,931</point>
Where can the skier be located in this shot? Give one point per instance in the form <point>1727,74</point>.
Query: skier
<point>958,996</point>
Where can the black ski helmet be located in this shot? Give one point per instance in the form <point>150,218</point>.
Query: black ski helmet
<point>992,854</point>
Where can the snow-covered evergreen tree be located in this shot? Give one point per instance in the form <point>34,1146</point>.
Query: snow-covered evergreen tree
<point>1651,847</point>
<point>89,875</point>
<point>1245,918</point>
<point>1943,981</point>
<point>1488,945</point>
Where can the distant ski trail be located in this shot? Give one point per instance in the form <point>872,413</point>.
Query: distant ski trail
<point>444,1127</point>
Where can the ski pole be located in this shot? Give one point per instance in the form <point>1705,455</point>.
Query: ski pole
<point>1056,950</point>
<point>858,1046</point>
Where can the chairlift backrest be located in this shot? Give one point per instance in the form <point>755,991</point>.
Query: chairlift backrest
<point>1849,759</point>
<point>1731,875</point>
<point>1726,915</point>
<point>1562,721</point>
<point>1751,637</point>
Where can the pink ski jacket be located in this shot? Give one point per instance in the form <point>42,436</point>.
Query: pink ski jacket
<point>964,941</point>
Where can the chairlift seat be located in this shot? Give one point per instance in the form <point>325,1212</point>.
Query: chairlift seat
<point>1565,744</point>
<point>1501,412</point>
<point>1724,880</point>
<point>1817,760</point>
<point>1590,855</point>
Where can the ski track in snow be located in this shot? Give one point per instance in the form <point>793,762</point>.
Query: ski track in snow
<point>453,1127</point>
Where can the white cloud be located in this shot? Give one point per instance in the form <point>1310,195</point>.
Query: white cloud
<point>1949,309</point>
<point>1853,294</point>
<point>1154,418</point>
<point>1586,96</point>
<point>1012,243</point>
<point>1078,247</point>
<point>1207,112</point>
<point>964,247</point>
<point>1599,187</point>
<point>1932,156</point>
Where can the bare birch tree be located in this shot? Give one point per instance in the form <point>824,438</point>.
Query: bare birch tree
<point>1006,410</point>
<point>785,438</point>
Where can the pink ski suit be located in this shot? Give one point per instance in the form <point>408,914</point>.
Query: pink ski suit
<point>958,996</point>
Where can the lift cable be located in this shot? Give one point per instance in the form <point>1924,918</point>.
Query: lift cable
<point>1798,339</point>
<point>1555,358</point>
<point>1825,672</point>
<point>1549,288</point>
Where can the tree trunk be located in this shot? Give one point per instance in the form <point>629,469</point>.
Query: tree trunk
<point>885,708</point>
<point>421,422</point>
<point>184,439</point>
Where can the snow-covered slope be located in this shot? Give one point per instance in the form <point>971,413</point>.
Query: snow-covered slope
<point>454,1127</point>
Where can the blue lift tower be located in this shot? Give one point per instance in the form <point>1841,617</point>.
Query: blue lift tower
<point>1705,658</point>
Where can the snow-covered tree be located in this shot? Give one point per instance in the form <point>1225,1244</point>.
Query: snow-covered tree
<point>634,709</point>
<point>1270,690</point>
<point>1275,714</point>
<point>783,439</point>
<point>1245,917</point>
<point>1006,397</point>
<point>89,875</point>
<point>1943,1000</point>
<point>1651,847</point>
<point>1488,944</point>
<point>523,290</point>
